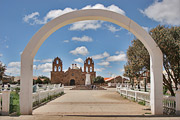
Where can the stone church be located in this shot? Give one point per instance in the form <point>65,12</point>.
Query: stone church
<point>74,75</point>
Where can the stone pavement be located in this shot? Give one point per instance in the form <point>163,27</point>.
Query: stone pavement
<point>91,102</point>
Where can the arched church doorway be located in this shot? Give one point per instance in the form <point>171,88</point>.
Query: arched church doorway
<point>72,82</point>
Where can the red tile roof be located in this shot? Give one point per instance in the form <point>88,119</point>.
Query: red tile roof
<point>105,79</point>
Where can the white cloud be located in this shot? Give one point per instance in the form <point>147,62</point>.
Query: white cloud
<point>47,70</point>
<point>99,69</point>
<point>46,60</point>
<point>1,54</point>
<point>165,12</point>
<point>14,64</point>
<point>7,46</point>
<point>34,67</point>
<point>117,52</point>
<point>43,60</point>
<point>104,63</point>
<point>113,75</point>
<point>129,33</point>
<point>66,41</point>
<point>112,28</point>
<point>111,8</point>
<point>33,19</point>
<point>79,60</point>
<point>35,60</point>
<point>55,13</point>
<point>117,36</point>
<point>79,65</point>
<point>82,39</point>
<point>13,68</point>
<point>47,67</point>
<point>94,24</point>
<point>80,50</point>
<point>100,56</point>
<point>122,70</point>
<point>120,57</point>
<point>85,25</point>
<point>20,52</point>
<point>145,28</point>
<point>13,71</point>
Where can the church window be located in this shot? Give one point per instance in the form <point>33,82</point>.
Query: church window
<point>55,68</point>
<point>59,68</point>
<point>90,69</point>
<point>89,62</point>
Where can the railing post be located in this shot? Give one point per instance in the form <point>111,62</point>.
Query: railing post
<point>126,93</point>
<point>136,96</point>
<point>5,102</point>
<point>178,101</point>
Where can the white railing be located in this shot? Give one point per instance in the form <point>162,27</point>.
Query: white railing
<point>136,95</point>
<point>42,95</point>
<point>171,104</point>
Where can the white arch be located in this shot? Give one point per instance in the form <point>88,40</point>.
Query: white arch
<point>90,14</point>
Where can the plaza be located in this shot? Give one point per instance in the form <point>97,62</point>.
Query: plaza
<point>139,78</point>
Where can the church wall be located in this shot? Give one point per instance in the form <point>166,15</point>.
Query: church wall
<point>57,77</point>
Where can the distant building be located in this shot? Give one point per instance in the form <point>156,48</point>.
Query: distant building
<point>144,76</point>
<point>117,79</point>
<point>17,78</point>
<point>112,81</point>
<point>74,75</point>
<point>7,79</point>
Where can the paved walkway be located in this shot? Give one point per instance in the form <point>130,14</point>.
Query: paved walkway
<point>91,102</point>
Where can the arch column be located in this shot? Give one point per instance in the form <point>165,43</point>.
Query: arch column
<point>26,83</point>
<point>156,90</point>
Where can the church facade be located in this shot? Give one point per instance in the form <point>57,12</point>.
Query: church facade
<point>74,75</point>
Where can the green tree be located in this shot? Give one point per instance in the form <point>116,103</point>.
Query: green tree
<point>2,70</point>
<point>46,81</point>
<point>99,79</point>
<point>39,81</point>
<point>137,61</point>
<point>168,40</point>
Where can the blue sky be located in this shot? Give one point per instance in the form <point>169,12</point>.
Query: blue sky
<point>105,42</point>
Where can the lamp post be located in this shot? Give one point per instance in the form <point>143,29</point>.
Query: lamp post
<point>145,80</point>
